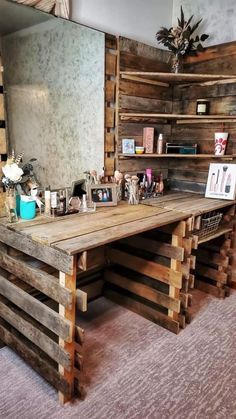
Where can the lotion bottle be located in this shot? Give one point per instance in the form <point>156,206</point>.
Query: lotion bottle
<point>160,144</point>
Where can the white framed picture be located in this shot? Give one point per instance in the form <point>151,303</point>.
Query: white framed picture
<point>221,182</point>
<point>128,146</point>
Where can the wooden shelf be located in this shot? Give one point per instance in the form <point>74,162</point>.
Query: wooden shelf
<point>218,233</point>
<point>179,118</point>
<point>167,79</point>
<point>180,156</point>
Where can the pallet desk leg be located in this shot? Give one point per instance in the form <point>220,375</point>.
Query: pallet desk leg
<point>176,266</point>
<point>68,281</point>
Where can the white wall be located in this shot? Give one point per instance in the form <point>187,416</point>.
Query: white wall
<point>135,19</point>
<point>219,18</point>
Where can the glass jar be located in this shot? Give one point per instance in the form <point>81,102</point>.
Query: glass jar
<point>10,204</point>
<point>202,107</point>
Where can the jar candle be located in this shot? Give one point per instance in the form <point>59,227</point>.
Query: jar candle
<point>202,107</point>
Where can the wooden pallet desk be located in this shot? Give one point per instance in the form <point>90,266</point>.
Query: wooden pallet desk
<point>42,259</point>
<point>215,257</point>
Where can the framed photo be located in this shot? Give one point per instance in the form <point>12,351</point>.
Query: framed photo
<point>77,187</point>
<point>128,146</point>
<point>221,182</point>
<point>104,195</point>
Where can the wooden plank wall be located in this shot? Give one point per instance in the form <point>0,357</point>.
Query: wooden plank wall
<point>136,96</point>
<point>191,175</point>
<point>110,103</point>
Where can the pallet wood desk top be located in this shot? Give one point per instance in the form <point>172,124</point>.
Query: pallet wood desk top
<point>76,233</point>
<point>189,203</point>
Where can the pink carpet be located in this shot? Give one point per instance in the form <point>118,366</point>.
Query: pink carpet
<point>136,370</point>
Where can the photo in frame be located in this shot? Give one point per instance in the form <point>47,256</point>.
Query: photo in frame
<point>104,195</point>
<point>221,182</point>
<point>128,146</point>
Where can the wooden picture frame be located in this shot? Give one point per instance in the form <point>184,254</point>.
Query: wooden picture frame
<point>103,194</point>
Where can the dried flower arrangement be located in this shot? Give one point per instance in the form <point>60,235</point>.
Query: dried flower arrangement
<point>180,39</point>
<point>14,175</point>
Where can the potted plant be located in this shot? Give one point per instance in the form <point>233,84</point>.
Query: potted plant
<point>180,40</point>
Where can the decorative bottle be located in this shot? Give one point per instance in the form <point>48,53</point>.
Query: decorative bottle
<point>160,144</point>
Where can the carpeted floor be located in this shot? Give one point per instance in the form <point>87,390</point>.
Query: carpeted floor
<point>137,370</point>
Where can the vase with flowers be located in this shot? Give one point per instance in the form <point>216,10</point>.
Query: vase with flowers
<point>12,175</point>
<point>17,181</point>
<point>180,40</point>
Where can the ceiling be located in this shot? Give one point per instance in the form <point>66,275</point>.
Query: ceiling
<point>14,17</point>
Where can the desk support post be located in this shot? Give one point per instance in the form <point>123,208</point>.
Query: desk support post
<point>69,282</point>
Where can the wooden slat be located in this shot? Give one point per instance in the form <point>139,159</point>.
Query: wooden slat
<point>109,166</point>
<point>177,77</point>
<point>154,246</point>
<point>2,113</point>
<point>38,279</point>
<point>43,314</point>
<point>89,223</point>
<point>48,255</point>
<point>110,41</point>
<point>209,289</point>
<point>90,240</point>
<point>110,117</point>
<point>95,257</point>
<point>211,273</point>
<point>175,266</point>
<point>203,255</point>
<point>81,300</point>
<point>3,141</point>
<point>149,268</point>
<point>33,359</point>
<point>79,335</point>
<point>110,64</point>
<point>109,142</point>
<point>110,90</point>
<point>145,311</point>
<point>69,314</point>
<point>142,290</point>
<point>35,335</point>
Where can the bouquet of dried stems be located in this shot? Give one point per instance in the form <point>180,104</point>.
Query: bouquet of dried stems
<point>180,39</point>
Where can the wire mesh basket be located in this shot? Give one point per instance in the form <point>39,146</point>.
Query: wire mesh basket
<point>209,225</point>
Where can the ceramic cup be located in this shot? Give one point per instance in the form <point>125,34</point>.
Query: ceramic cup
<point>221,139</point>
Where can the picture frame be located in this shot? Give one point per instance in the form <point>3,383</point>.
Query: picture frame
<point>77,187</point>
<point>103,194</point>
<point>221,182</point>
<point>128,146</point>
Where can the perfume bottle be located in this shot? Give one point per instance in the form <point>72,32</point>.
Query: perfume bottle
<point>84,207</point>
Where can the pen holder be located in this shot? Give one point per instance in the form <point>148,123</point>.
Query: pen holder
<point>27,208</point>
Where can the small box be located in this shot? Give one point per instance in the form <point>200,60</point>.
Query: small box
<point>148,139</point>
<point>128,146</point>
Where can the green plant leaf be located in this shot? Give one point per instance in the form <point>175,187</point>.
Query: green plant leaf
<point>195,26</point>
<point>189,21</point>
<point>200,47</point>
<point>204,37</point>
<point>182,20</point>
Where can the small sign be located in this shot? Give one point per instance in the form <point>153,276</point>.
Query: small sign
<point>128,146</point>
<point>221,182</point>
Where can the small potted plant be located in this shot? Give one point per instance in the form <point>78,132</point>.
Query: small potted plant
<point>180,40</point>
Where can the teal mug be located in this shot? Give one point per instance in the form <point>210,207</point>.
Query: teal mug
<point>27,208</point>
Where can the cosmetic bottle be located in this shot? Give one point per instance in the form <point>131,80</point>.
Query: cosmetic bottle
<point>47,198</point>
<point>160,144</point>
<point>62,200</point>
